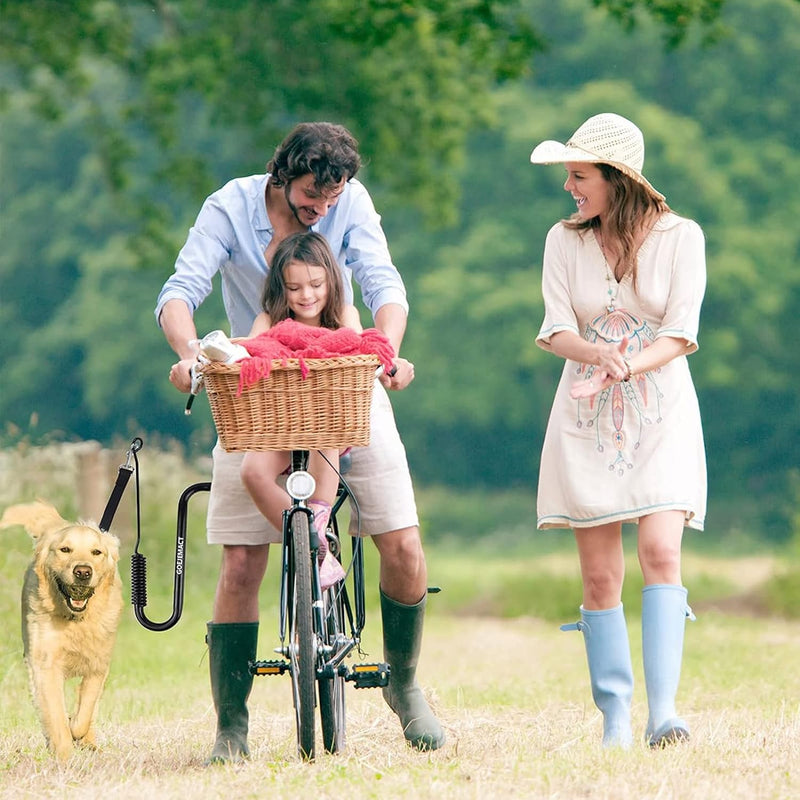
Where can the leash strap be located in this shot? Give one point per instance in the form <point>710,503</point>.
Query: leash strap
<point>123,476</point>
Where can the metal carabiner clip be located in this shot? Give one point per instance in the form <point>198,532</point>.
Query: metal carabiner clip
<point>135,447</point>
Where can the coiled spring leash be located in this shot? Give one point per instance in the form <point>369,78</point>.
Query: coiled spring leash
<point>138,561</point>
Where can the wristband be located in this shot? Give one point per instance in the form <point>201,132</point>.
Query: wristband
<point>630,371</point>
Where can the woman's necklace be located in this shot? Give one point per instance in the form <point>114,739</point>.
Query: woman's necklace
<point>612,287</point>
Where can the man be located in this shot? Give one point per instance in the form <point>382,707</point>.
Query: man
<point>309,184</point>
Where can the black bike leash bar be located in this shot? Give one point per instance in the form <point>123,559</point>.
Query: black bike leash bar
<point>139,568</point>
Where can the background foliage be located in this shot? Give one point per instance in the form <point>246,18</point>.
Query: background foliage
<point>118,118</point>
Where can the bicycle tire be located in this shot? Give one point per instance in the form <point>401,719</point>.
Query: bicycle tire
<point>331,690</point>
<point>301,640</point>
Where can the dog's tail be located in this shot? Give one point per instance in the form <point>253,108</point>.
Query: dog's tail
<point>37,518</point>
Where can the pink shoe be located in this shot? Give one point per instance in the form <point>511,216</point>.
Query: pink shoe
<point>330,570</point>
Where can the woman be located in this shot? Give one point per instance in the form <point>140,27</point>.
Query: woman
<point>623,281</point>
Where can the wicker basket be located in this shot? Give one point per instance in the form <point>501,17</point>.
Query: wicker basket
<point>329,408</point>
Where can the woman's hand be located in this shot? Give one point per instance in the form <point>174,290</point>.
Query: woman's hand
<point>611,359</point>
<point>597,383</point>
<point>612,368</point>
<point>402,376</point>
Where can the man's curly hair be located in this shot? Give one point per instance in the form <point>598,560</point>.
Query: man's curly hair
<point>328,151</point>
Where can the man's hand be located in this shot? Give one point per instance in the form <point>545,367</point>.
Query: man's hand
<point>403,375</point>
<point>180,374</point>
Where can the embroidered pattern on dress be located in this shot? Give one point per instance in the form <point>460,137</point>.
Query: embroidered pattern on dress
<point>628,396</point>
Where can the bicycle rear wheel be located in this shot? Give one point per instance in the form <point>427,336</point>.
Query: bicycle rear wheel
<point>302,649</point>
<point>331,690</point>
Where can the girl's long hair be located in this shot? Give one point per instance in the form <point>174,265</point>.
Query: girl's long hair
<point>307,248</point>
<point>632,212</point>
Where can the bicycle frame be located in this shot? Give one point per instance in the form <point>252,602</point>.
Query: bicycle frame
<point>313,622</point>
<point>299,461</point>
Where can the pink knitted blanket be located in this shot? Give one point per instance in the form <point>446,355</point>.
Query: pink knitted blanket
<point>292,339</point>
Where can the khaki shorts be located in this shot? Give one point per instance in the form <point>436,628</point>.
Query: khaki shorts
<point>379,478</point>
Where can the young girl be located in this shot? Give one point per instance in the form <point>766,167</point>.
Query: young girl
<point>303,284</point>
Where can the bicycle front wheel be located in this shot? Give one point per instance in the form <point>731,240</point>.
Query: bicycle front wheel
<point>331,690</point>
<point>302,647</point>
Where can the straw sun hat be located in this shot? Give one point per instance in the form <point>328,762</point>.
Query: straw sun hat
<point>602,139</point>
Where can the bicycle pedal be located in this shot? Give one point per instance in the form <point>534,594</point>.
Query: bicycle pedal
<point>269,667</point>
<point>369,676</point>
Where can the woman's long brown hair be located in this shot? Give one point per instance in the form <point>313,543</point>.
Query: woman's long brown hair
<point>632,212</point>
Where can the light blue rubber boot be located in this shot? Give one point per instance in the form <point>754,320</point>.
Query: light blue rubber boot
<point>605,635</point>
<point>664,613</point>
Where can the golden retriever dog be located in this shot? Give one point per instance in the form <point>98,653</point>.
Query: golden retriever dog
<point>71,607</point>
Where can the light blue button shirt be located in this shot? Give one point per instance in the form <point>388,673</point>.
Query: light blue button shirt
<point>232,231</point>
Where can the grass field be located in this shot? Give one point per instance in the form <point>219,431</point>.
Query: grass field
<point>511,689</point>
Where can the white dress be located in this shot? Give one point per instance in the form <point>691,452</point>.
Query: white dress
<point>637,447</point>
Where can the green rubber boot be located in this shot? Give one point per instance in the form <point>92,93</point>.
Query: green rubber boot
<point>402,640</point>
<point>231,648</point>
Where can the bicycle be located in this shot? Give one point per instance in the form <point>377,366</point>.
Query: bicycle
<point>313,622</point>
<point>313,625</point>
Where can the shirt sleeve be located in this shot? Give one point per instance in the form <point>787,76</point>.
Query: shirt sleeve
<point>559,314</point>
<point>687,286</point>
<point>208,247</point>
<point>367,255</point>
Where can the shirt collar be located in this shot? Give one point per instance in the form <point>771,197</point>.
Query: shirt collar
<point>261,221</point>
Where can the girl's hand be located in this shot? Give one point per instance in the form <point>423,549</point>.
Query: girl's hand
<point>403,375</point>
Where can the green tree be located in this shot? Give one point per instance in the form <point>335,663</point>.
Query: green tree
<point>118,119</point>
<point>716,169</point>
<point>254,65</point>
<point>257,65</point>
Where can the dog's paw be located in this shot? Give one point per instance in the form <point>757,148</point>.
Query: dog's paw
<point>86,744</point>
<point>64,752</point>
<point>81,731</point>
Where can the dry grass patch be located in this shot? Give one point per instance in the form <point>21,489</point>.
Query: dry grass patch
<point>514,699</point>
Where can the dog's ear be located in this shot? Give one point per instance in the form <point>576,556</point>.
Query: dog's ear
<point>113,546</point>
<point>37,518</point>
